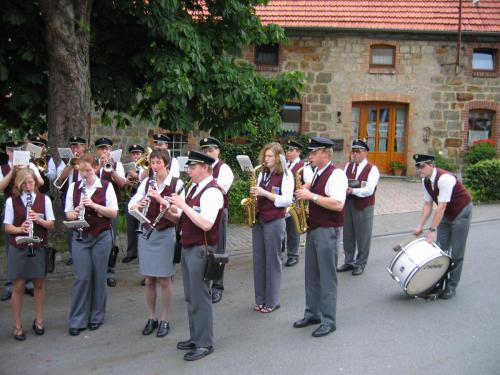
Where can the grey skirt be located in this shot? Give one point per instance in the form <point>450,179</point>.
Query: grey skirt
<point>156,255</point>
<point>21,266</point>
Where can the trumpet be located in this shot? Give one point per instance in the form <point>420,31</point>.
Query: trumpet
<point>60,181</point>
<point>108,166</point>
<point>143,161</point>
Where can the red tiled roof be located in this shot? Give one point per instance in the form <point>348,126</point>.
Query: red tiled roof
<point>419,15</point>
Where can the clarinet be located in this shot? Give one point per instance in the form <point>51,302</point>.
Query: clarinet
<point>29,204</point>
<point>81,215</point>
<point>147,234</point>
<point>152,181</point>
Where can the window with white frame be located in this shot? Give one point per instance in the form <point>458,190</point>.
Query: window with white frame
<point>382,56</point>
<point>291,115</point>
<point>178,144</point>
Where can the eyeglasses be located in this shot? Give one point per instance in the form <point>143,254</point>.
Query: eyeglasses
<point>357,151</point>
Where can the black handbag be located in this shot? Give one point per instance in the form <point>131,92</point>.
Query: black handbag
<point>214,267</point>
<point>112,256</point>
<point>50,259</point>
<point>178,248</point>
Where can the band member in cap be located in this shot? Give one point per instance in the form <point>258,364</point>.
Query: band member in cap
<point>27,211</point>
<point>274,192</point>
<point>69,170</point>
<point>50,172</point>
<point>359,209</point>
<point>116,176</point>
<point>132,176</point>
<point>451,219</point>
<point>294,164</point>
<point>326,198</point>
<point>91,254</point>
<point>224,177</point>
<point>7,177</point>
<point>161,143</point>
<point>156,253</point>
<point>200,220</point>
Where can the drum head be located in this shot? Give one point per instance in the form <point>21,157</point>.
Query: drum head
<point>427,275</point>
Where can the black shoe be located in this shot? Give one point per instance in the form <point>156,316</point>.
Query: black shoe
<point>358,270</point>
<point>6,295</point>
<point>198,353</point>
<point>38,331</point>
<point>216,295</point>
<point>305,322</point>
<point>186,345</point>
<point>94,326</point>
<point>323,330</point>
<point>111,282</point>
<point>75,331</point>
<point>29,291</point>
<point>151,325</point>
<point>69,262</point>
<point>448,293</point>
<point>290,262</point>
<point>345,267</point>
<point>129,258</point>
<point>21,336</point>
<point>163,329</point>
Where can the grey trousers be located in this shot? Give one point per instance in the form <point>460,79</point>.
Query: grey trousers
<point>132,236</point>
<point>114,226</point>
<point>198,297</point>
<point>292,240</point>
<point>266,243</point>
<point>452,238</point>
<point>88,295</point>
<point>358,225</point>
<point>321,275</point>
<point>221,248</point>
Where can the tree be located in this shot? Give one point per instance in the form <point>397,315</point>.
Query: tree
<point>175,63</point>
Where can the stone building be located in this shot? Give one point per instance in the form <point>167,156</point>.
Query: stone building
<point>383,70</point>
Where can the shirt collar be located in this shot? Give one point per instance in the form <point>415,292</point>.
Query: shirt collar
<point>215,163</point>
<point>319,172</point>
<point>433,176</point>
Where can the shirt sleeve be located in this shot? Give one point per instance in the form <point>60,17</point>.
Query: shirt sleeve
<point>51,170</point>
<point>286,197</point>
<point>68,207</point>
<point>111,201</point>
<point>35,169</point>
<point>307,174</point>
<point>225,178</point>
<point>49,212</point>
<point>174,168</point>
<point>427,196</point>
<point>120,171</point>
<point>9,212</point>
<point>446,183</point>
<point>371,184</point>
<point>140,193</point>
<point>336,186</point>
<point>211,202</point>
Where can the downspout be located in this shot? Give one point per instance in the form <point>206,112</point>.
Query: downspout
<point>459,36</point>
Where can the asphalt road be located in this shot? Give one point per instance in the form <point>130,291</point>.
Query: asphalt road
<point>379,329</point>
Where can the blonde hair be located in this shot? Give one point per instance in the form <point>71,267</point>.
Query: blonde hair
<point>277,150</point>
<point>21,176</point>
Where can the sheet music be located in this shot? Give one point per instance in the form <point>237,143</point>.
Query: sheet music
<point>65,153</point>
<point>116,155</point>
<point>143,219</point>
<point>245,163</point>
<point>76,224</point>
<point>128,167</point>
<point>182,160</point>
<point>21,157</point>
<point>34,150</point>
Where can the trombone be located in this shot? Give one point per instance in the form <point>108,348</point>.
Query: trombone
<point>60,181</point>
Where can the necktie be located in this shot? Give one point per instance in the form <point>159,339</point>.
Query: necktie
<point>191,193</point>
<point>355,172</point>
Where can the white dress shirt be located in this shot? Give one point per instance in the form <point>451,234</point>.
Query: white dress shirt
<point>284,199</point>
<point>141,190</point>
<point>31,166</point>
<point>445,185</point>
<point>371,182</point>
<point>226,176</point>
<point>336,186</point>
<point>211,201</point>
<point>111,200</point>
<point>307,172</point>
<point>9,209</point>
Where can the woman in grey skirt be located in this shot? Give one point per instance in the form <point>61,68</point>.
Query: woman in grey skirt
<point>157,243</point>
<point>28,218</point>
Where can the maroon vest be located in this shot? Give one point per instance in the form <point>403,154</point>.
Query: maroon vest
<point>294,170</point>
<point>266,207</point>
<point>320,216</point>
<point>7,193</point>
<point>193,235</point>
<point>97,223</point>
<point>460,197</point>
<point>107,176</point>
<point>215,174</point>
<point>361,203</point>
<point>154,206</point>
<point>20,217</point>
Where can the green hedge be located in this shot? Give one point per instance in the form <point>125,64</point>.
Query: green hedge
<point>239,189</point>
<point>483,180</point>
<point>445,164</point>
<point>483,149</point>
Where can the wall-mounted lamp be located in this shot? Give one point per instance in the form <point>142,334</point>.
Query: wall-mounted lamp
<point>339,117</point>
<point>426,134</point>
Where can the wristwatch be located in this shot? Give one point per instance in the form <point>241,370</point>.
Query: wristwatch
<point>315,197</point>
<point>431,229</point>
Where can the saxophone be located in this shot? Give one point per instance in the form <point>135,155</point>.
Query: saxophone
<point>250,203</point>
<point>298,210</point>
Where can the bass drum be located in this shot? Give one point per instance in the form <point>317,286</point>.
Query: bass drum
<point>419,266</point>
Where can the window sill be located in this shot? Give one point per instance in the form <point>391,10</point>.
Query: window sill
<point>485,74</point>
<point>382,71</point>
<point>267,68</point>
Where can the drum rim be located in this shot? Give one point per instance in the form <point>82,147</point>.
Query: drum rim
<point>418,268</point>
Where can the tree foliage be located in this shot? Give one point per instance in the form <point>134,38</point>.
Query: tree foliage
<point>176,63</point>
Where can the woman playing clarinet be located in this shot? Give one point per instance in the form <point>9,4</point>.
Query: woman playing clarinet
<point>94,201</point>
<point>157,242</point>
<point>28,218</point>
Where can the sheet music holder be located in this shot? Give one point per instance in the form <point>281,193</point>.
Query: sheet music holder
<point>245,163</point>
<point>21,157</point>
<point>20,240</point>
<point>75,224</point>
<point>139,216</point>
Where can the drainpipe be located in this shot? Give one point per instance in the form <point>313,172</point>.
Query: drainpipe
<point>459,36</point>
